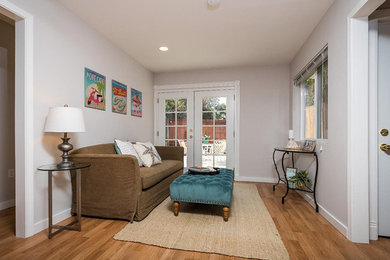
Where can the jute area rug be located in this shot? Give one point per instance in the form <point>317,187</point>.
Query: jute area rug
<point>250,231</point>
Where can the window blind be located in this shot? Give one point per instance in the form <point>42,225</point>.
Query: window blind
<point>309,69</point>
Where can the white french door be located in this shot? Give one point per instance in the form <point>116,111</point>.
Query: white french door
<point>200,121</point>
<point>214,125</point>
<point>175,122</point>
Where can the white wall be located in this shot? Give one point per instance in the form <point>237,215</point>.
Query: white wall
<point>7,98</point>
<point>264,115</point>
<point>63,46</point>
<point>332,180</point>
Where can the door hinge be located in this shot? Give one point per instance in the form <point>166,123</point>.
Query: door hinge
<point>158,100</point>
<point>234,133</point>
<point>158,133</point>
<point>234,97</point>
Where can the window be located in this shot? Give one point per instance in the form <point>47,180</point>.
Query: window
<point>313,88</point>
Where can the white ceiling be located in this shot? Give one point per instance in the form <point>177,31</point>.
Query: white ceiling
<point>237,33</point>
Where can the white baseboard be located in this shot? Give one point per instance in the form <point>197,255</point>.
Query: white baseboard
<point>326,214</point>
<point>373,231</point>
<point>43,224</point>
<point>7,204</point>
<point>255,179</point>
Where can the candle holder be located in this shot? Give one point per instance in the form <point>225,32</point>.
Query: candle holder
<point>291,144</point>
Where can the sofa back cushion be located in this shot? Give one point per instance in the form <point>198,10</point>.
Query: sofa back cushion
<point>97,149</point>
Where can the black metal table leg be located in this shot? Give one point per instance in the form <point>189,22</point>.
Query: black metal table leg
<point>315,182</point>
<point>277,171</point>
<point>285,177</point>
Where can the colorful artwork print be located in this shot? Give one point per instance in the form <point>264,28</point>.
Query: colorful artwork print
<point>94,90</point>
<point>119,97</point>
<point>136,103</point>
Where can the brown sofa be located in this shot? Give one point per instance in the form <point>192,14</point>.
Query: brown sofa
<point>116,187</point>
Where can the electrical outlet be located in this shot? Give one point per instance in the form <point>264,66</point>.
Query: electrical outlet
<point>11,173</point>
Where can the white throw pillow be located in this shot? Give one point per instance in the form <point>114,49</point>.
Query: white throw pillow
<point>147,154</point>
<point>128,149</point>
<point>149,144</point>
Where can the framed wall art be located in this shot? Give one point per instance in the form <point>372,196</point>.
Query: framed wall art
<point>119,97</point>
<point>136,103</point>
<point>94,90</point>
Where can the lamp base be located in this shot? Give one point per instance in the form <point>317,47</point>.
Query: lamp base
<point>65,164</point>
<point>65,147</point>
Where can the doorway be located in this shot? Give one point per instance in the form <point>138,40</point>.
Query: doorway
<point>24,143</point>
<point>201,120</point>
<point>7,111</point>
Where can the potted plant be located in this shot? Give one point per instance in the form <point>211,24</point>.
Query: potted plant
<point>206,139</point>
<point>301,179</point>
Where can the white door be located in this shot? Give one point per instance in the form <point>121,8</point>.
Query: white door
<point>175,122</point>
<point>214,128</point>
<point>384,123</point>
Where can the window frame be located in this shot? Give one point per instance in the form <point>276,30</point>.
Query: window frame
<point>299,92</point>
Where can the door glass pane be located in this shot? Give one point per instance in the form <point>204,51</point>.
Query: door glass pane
<point>170,105</point>
<point>182,133</point>
<point>207,118</point>
<point>220,118</point>
<point>214,103</point>
<point>220,161</point>
<point>220,133</point>
<point>182,118</point>
<point>207,134</point>
<point>170,143</point>
<point>170,133</point>
<point>220,147</point>
<point>182,104</point>
<point>170,119</point>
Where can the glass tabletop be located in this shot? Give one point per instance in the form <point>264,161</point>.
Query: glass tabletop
<point>54,167</point>
<point>283,149</point>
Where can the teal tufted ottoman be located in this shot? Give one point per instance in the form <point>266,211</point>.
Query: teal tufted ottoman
<point>205,189</point>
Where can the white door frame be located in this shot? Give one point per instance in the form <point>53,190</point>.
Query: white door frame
<point>358,121</point>
<point>24,164</point>
<point>234,85</point>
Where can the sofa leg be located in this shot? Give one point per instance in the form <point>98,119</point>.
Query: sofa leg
<point>176,208</point>
<point>226,213</point>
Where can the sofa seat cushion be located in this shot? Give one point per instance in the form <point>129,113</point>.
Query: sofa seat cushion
<point>153,175</point>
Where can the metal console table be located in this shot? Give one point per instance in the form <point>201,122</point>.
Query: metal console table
<point>285,181</point>
<point>54,168</point>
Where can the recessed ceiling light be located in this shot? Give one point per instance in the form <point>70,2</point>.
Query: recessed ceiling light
<point>163,48</point>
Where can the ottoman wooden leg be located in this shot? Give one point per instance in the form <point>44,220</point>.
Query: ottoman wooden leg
<point>225,213</point>
<point>176,208</point>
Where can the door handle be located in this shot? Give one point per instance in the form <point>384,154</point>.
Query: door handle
<point>384,132</point>
<point>384,147</point>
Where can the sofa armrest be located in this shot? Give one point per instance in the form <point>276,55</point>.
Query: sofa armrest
<point>171,152</point>
<point>110,187</point>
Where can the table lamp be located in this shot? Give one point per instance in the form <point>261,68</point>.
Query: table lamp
<point>65,120</point>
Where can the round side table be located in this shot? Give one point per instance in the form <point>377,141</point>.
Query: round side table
<point>54,168</point>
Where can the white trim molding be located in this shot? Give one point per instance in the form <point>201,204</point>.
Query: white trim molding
<point>44,223</point>
<point>343,229</point>
<point>373,127</point>
<point>255,179</point>
<point>7,204</point>
<point>24,115</point>
<point>358,123</point>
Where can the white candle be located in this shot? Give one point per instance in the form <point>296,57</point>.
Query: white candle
<point>290,134</point>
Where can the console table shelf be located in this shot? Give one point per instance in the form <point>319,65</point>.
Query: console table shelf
<point>285,181</point>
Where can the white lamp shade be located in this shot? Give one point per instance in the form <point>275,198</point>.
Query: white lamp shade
<point>65,120</point>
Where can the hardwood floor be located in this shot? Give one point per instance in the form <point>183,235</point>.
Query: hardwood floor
<point>305,234</point>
